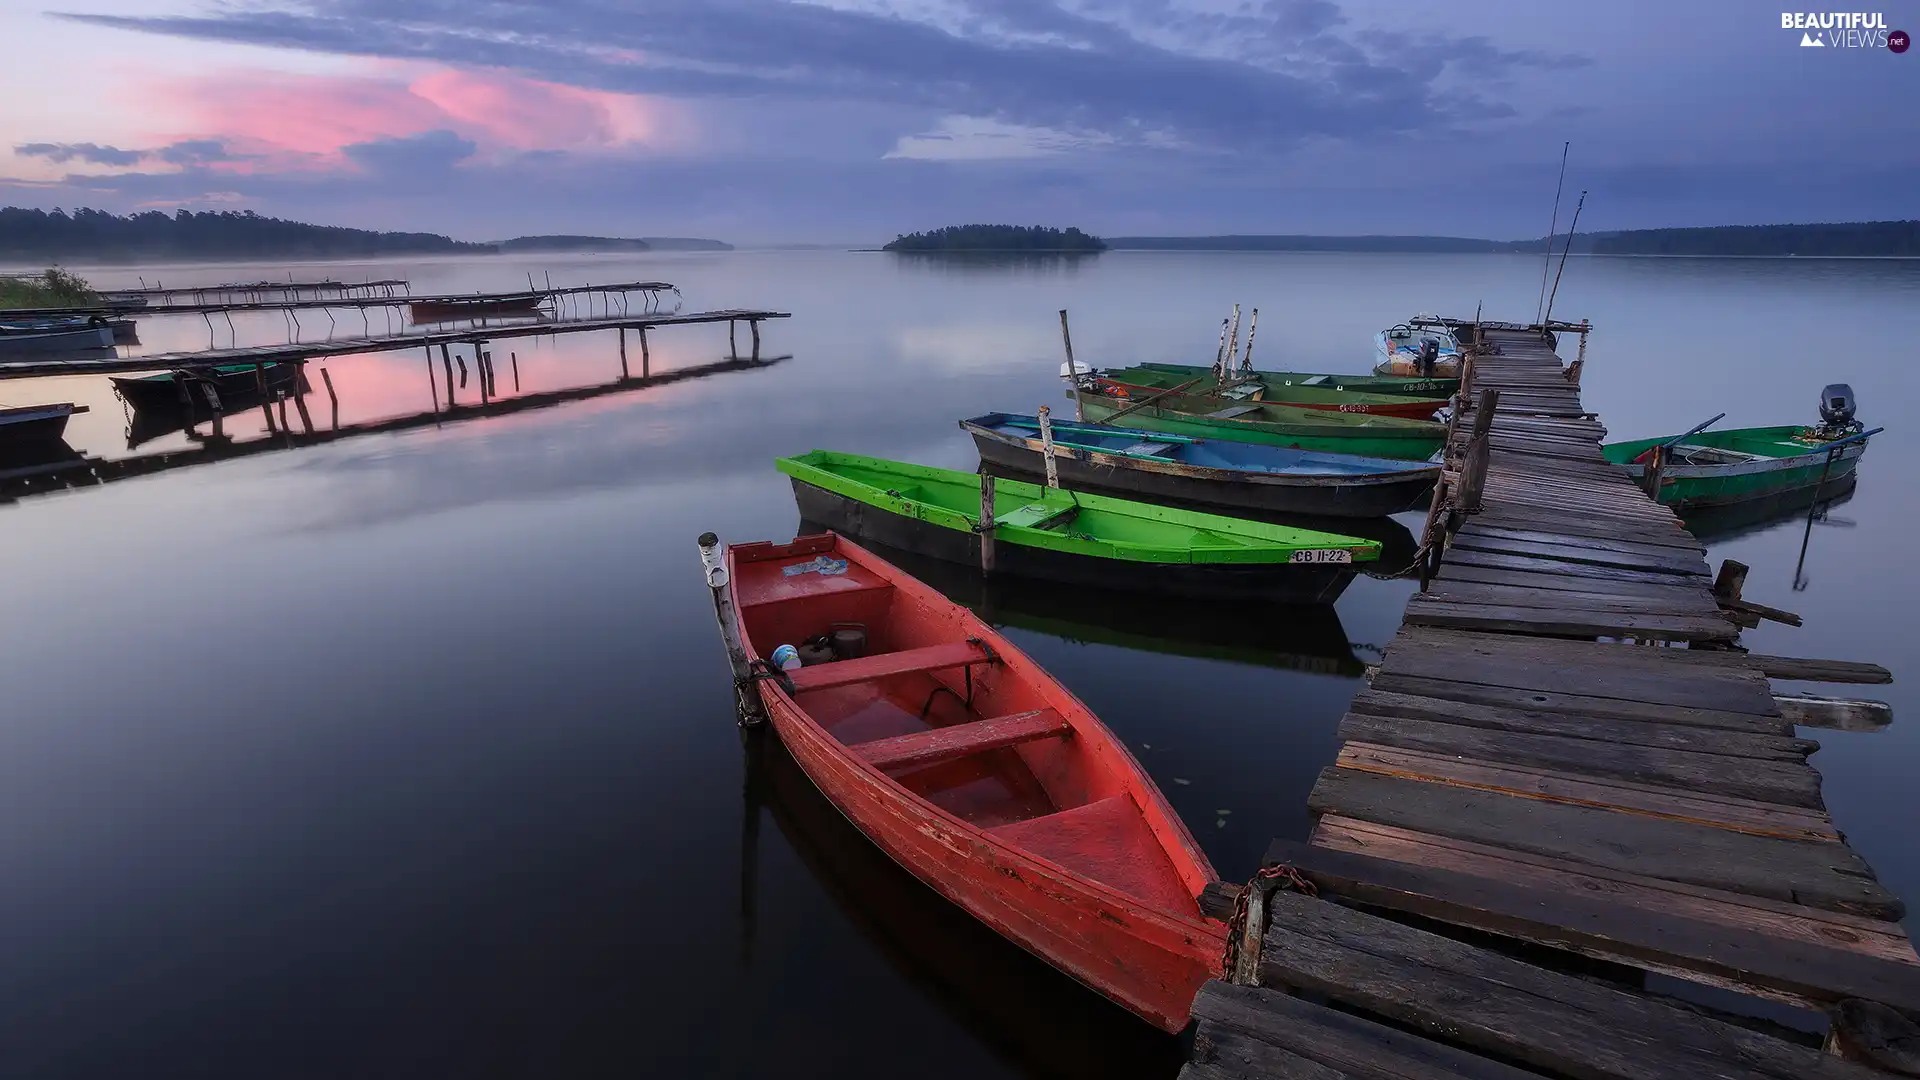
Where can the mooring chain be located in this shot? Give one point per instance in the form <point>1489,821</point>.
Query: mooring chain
<point>1267,880</point>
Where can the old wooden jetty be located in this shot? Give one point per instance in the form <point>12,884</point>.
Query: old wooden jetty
<point>289,289</point>
<point>558,300</point>
<point>477,337</point>
<point>1568,814</point>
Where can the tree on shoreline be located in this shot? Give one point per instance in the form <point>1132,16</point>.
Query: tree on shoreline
<point>58,234</point>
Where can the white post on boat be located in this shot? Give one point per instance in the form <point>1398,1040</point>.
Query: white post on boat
<point>1046,446</point>
<point>1246,365</point>
<point>746,697</point>
<point>1073,369</point>
<point>1220,354</point>
<point>986,525</point>
<point>1233,345</point>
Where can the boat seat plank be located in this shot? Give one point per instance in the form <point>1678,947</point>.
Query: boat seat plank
<point>962,740</point>
<point>1595,926</point>
<point>885,665</point>
<point>1037,515</point>
<point>1146,448</point>
<point>1232,411</point>
<point>1109,841</point>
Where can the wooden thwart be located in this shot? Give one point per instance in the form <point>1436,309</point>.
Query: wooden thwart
<point>962,740</point>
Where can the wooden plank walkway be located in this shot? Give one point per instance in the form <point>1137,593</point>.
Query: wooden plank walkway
<point>1560,779</point>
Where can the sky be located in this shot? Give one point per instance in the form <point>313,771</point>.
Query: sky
<point>830,121</point>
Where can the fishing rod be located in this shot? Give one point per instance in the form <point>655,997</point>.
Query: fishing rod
<point>1546,262</point>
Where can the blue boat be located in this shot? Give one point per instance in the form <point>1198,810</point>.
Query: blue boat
<point>1206,472</point>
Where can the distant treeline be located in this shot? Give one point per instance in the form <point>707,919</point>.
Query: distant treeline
<point>1859,239</point>
<point>57,234</point>
<point>997,238</point>
<point>573,243</point>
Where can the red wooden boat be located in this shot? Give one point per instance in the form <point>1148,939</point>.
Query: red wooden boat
<point>976,771</point>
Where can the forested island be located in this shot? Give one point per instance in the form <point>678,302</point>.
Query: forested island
<point>991,238</point>
<point>1859,239</point>
<point>592,244</point>
<point>183,234</point>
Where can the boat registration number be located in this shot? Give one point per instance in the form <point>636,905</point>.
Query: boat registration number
<point>1336,555</point>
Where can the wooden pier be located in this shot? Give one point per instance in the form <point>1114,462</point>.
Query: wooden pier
<point>1564,784</point>
<point>220,301</point>
<point>442,340</point>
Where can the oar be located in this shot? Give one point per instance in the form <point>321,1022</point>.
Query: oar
<point>1692,431</point>
<point>1813,509</point>
<point>1146,401</point>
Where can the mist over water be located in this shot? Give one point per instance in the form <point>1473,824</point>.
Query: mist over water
<point>413,753</point>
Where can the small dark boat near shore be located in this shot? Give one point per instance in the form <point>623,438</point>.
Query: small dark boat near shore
<point>449,309</point>
<point>35,425</point>
<point>201,393</point>
<point>1212,472</point>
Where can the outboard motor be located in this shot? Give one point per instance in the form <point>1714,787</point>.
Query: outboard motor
<point>1429,356</point>
<point>1836,412</point>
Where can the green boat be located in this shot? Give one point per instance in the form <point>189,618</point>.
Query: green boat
<point>1070,536</point>
<point>1396,385</point>
<point>1725,468</point>
<point>1275,425</point>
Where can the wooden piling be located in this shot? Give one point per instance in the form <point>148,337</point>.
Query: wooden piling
<point>1073,370</point>
<point>753,327</point>
<point>1046,446</point>
<point>623,352</point>
<point>260,385</point>
<point>986,524</point>
<point>480,373</point>
<point>431,387</point>
<point>514,359</point>
<point>646,358</point>
<point>1473,472</point>
<point>300,405</point>
<point>327,377</point>
<point>733,351</point>
<point>446,361</point>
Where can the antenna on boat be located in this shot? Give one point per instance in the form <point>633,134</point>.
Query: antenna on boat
<point>1252,325</point>
<point>1575,224</point>
<point>1546,263</point>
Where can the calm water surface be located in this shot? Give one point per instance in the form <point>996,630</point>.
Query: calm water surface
<point>413,754</point>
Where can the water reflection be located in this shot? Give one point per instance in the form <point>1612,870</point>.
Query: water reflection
<point>1037,1020</point>
<point>1302,637</point>
<point>1723,523</point>
<point>145,424</point>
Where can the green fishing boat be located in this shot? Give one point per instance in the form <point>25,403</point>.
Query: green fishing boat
<point>1394,385</point>
<point>1724,468</point>
<point>1070,536</point>
<point>1275,425</point>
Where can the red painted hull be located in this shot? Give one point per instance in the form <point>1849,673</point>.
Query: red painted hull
<point>1411,409</point>
<point>1061,843</point>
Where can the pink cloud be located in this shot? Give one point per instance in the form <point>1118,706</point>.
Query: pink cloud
<point>294,120</point>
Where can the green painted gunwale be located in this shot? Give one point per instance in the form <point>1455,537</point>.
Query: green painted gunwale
<point>1368,387</point>
<point>1281,425</point>
<point>1105,527</point>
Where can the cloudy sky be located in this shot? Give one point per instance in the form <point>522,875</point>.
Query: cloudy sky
<point>852,120</point>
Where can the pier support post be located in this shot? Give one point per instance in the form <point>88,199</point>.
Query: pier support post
<point>746,696</point>
<point>446,361</point>
<point>623,352</point>
<point>646,359</point>
<point>986,524</point>
<point>514,359</point>
<point>300,399</point>
<point>753,327</point>
<point>1473,472</point>
<point>1073,370</point>
<point>431,386</point>
<point>733,350</point>
<point>327,377</point>
<point>260,385</point>
<point>1246,957</point>
<point>480,370</point>
<point>1046,446</point>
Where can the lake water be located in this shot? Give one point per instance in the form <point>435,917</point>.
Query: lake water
<point>413,754</point>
